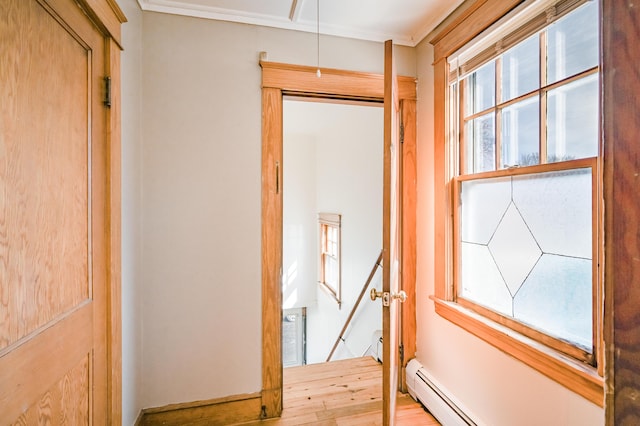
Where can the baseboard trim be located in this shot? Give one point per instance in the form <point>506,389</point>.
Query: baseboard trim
<point>139,419</point>
<point>220,411</point>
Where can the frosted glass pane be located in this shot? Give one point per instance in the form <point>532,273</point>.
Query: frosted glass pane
<point>557,209</point>
<point>514,249</point>
<point>521,68</point>
<point>481,280</point>
<point>521,134</point>
<point>481,143</point>
<point>557,299</point>
<point>480,89</point>
<point>572,120</point>
<point>483,203</point>
<point>539,249</point>
<point>572,43</point>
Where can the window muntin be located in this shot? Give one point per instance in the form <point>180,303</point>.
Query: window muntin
<point>329,259</point>
<point>546,112</point>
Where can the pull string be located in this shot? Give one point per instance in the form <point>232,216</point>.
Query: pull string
<point>318,73</point>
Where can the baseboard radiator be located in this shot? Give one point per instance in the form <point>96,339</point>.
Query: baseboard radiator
<point>423,389</point>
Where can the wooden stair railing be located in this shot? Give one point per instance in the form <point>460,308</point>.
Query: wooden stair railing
<point>355,307</point>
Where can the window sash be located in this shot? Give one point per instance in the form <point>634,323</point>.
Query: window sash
<point>329,254</point>
<point>589,357</point>
<point>460,126</point>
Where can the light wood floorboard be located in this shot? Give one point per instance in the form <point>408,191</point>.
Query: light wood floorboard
<point>341,393</point>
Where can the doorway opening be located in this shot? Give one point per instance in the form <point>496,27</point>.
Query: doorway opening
<point>332,229</point>
<point>399,96</point>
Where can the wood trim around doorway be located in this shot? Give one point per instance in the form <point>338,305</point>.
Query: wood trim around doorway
<point>108,17</point>
<point>114,297</point>
<point>284,79</point>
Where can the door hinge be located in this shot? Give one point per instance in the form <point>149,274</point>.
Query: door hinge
<point>107,92</point>
<point>401,352</point>
<point>401,132</point>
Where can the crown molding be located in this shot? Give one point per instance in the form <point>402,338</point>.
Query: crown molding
<point>221,14</point>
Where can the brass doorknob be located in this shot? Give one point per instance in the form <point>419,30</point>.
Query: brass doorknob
<point>375,294</point>
<point>400,296</point>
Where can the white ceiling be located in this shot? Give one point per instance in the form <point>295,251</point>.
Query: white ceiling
<point>406,22</point>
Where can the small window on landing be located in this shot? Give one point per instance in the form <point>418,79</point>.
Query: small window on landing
<point>329,259</point>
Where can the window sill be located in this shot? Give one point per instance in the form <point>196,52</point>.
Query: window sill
<point>574,375</point>
<point>330,291</point>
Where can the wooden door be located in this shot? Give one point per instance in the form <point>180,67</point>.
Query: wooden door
<point>53,216</point>
<point>391,238</point>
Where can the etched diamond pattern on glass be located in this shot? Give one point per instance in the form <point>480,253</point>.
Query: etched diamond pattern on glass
<point>536,266</point>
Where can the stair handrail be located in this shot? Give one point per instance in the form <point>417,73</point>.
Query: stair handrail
<point>355,307</point>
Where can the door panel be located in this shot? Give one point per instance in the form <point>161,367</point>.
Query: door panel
<point>68,399</point>
<point>391,237</point>
<point>53,256</point>
<point>44,177</point>
<point>29,370</point>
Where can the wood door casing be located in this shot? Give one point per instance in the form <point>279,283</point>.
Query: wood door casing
<point>279,79</point>
<point>56,218</point>
<point>272,257</point>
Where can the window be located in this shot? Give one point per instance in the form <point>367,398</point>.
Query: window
<point>294,337</point>
<point>523,116</point>
<point>329,268</point>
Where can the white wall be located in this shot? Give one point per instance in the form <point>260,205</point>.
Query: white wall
<point>333,163</point>
<point>494,388</point>
<point>299,212</point>
<point>131,212</point>
<point>201,174</point>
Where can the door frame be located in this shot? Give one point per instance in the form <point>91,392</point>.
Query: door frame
<point>109,17</point>
<point>278,80</point>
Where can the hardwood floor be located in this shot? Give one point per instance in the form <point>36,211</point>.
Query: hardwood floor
<point>342,393</point>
